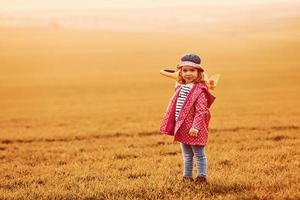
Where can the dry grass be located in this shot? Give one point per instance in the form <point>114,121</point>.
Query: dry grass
<point>80,113</point>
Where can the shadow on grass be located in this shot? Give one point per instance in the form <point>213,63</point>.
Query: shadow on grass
<point>219,189</point>
<point>178,191</point>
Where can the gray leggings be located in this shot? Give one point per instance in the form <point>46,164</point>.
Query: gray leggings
<point>188,153</point>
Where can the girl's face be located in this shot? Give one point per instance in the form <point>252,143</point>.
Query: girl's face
<point>189,74</point>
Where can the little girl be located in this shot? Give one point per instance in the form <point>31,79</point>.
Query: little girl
<point>187,116</point>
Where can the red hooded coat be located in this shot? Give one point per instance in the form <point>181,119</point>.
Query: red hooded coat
<point>194,114</point>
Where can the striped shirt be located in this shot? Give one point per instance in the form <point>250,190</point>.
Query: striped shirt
<point>184,91</point>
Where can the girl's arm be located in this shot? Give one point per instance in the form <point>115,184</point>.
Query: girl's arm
<point>202,114</point>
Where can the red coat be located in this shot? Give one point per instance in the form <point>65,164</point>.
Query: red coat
<point>194,114</point>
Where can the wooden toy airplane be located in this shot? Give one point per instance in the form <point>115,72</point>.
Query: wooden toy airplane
<point>211,82</point>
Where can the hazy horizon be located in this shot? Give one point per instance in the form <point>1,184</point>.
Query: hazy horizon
<point>142,15</point>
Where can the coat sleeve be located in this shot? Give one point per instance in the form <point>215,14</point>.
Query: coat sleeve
<point>202,114</point>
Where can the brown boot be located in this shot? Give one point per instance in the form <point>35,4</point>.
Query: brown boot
<point>201,180</point>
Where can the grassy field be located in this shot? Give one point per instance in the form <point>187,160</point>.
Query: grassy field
<point>80,113</point>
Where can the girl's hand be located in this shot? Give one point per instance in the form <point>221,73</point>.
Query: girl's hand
<point>193,132</point>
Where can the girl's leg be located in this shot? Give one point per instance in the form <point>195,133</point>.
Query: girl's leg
<point>201,160</point>
<point>187,154</point>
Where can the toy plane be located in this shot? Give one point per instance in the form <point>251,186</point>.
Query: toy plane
<point>211,81</point>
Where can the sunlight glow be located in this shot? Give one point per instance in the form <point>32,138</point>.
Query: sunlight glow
<point>138,14</point>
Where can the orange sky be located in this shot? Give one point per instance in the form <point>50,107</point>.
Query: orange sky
<point>143,15</point>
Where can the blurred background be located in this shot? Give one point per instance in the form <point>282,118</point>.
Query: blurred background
<point>91,67</point>
<point>143,16</point>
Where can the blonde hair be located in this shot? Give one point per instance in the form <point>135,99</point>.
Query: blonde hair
<point>199,79</point>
